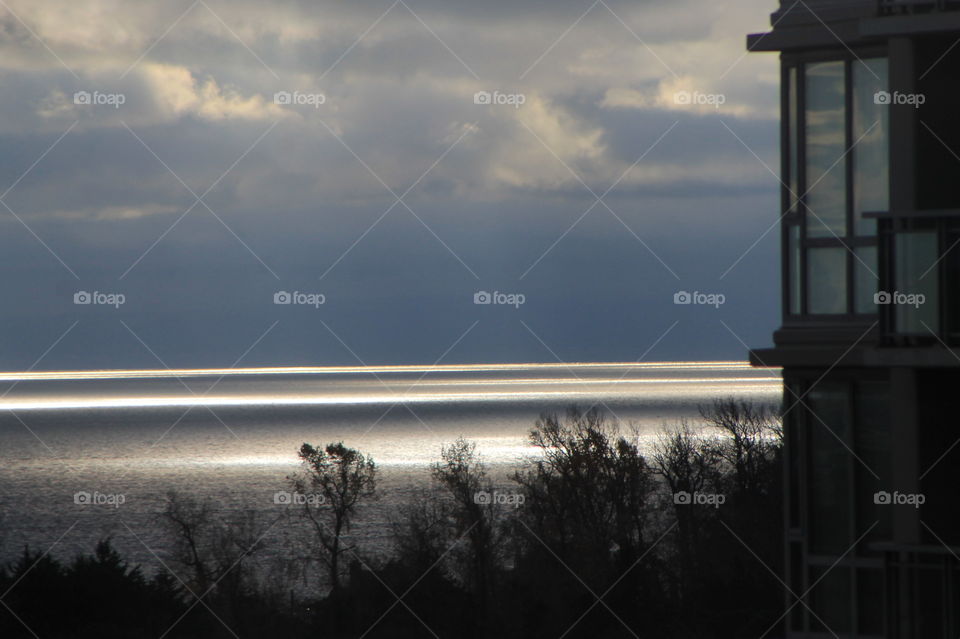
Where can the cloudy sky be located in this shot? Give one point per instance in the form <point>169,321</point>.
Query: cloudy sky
<point>193,160</point>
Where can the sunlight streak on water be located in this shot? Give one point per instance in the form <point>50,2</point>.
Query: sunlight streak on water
<point>231,436</point>
<point>347,370</point>
<point>182,401</point>
<point>347,386</point>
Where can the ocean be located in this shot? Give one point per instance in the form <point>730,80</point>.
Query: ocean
<point>231,437</point>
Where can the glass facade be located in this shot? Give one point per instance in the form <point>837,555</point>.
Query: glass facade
<point>794,265</point>
<point>840,458</point>
<point>826,280</point>
<point>871,252</point>
<point>917,283</point>
<point>793,152</point>
<point>865,270</point>
<point>830,599</point>
<point>825,149</point>
<point>829,505</point>
<point>871,134</point>
<point>837,165</point>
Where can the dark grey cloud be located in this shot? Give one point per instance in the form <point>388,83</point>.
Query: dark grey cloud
<point>495,192</point>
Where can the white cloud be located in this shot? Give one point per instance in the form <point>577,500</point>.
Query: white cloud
<point>536,146</point>
<point>177,92</point>
<point>397,95</point>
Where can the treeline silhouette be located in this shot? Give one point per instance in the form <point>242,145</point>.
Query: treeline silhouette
<point>590,538</point>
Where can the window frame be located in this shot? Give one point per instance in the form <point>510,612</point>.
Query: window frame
<point>851,381</point>
<point>946,228</point>
<point>796,216</point>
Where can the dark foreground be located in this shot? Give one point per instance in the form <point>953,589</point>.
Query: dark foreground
<point>591,540</point>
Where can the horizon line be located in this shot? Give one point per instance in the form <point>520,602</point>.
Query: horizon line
<point>385,368</point>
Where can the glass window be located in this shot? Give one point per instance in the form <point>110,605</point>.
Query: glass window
<point>866,278</point>
<point>951,273</point>
<point>829,483</point>
<point>871,135</point>
<point>825,146</point>
<point>794,282</point>
<point>831,133</point>
<point>794,151</point>
<point>931,599</point>
<point>827,280</point>
<point>872,445</point>
<point>917,282</point>
<point>796,585</point>
<point>870,604</point>
<point>792,439</point>
<point>831,600</point>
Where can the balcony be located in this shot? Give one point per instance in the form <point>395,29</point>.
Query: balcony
<point>925,583</point>
<point>919,272</point>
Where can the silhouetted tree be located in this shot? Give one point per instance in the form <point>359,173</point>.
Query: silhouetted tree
<point>465,563</point>
<point>422,534</point>
<point>463,475</point>
<point>750,445</point>
<point>342,477</point>
<point>587,511</point>
<point>216,550</point>
<point>189,524</point>
<point>689,464</point>
<point>96,596</point>
<point>686,460</point>
<point>738,458</point>
<point>591,483</point>
<point>752,437</point>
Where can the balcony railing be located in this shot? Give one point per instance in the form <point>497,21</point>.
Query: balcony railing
<point>922,591</point>
<point>919,269</point>
<point>897,7</point>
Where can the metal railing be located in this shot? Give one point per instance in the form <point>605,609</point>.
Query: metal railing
<point>917,300</point>
<point>923,592</point>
